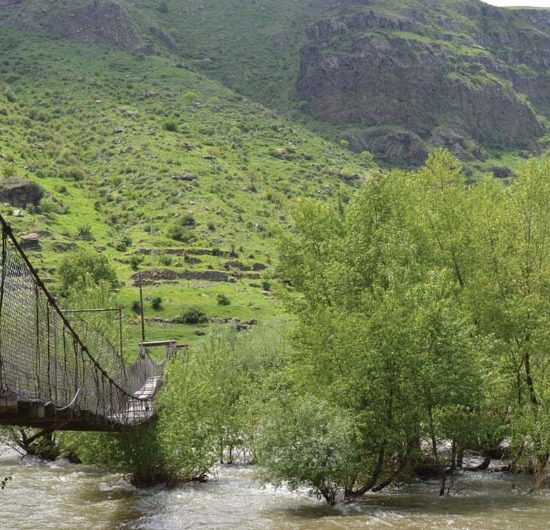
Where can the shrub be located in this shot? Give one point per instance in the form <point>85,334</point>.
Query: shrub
<point>85,266</point>
<point>193,315</point>
<point>190,97</point>
<point>8,170</point>
<point>123,243</point>
<point>84,233</point>
<point>181,233</point>
<point>189,220</point>
<point>170,125</point>
<point>223,299</point>
<point>156,303</point>
<point>135,262</point>
<point>49,206</point>
<point>136,307</point>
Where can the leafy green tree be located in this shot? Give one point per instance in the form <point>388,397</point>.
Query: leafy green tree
<point>83,267</point>
<point>380,336</point>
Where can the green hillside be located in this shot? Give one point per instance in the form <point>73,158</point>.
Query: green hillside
<point>160,169</point>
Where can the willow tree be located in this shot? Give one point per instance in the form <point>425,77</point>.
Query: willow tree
<point>380,338</point>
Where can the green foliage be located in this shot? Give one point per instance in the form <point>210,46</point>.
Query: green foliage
<point>193,315</point>
<point>85,267</point>
<point>223,299</point>
<point>123,243</point>
<point>84,233</point>
<point>205,412</point>
<point>100,331</point>
<point>135,262</point>
<point>384,335</point>
<point>156,303</point>
<point>309,442</point>
<point>170,126</point>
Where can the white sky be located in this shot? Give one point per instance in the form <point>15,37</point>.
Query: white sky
<point>530,3</point>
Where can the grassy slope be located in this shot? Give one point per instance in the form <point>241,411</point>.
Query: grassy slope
<point>87,124</point>
<point>235,41</point>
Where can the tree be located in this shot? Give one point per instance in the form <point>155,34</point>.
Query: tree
<point>380,336</point>
<point>83,267</point>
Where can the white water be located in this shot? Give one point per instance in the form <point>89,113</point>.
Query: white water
<point>60,495</point>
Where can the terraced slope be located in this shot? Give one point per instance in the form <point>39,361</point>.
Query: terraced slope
<point>161,169</point>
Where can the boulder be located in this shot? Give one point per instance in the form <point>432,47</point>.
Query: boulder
<point>30,241</point>
<point>390,146</point>
<point>19,192</point>
<point>501,172</point>
<point>461,146</point>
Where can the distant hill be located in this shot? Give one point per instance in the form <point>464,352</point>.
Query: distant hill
<point>394,77</point>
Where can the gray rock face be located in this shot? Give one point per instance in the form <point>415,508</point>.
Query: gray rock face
<point>20,192</point>
<point>390,146</point>
<point>416,84</point>
<point>103,22</point>
<point>461,146</point>
<point>96,21</point>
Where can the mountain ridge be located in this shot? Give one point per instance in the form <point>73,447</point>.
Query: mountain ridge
<point>426,68</point>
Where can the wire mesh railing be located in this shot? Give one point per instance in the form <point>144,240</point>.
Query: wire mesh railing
<point>44,361</point>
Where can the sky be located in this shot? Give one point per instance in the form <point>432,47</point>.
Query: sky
<point>531,3</point>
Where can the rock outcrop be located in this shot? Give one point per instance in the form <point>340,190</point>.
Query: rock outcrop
<point>20,192</point>
<point>390,146</point>
<point>414,84</point>
<point>103,22</point>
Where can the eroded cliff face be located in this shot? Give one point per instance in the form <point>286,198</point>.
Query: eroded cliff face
<point>378,70</point>
<point>387,80</point>
<point>396,77</point>
<point>103,22</point>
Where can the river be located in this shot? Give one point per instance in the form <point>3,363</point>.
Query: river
<point>60,495</point>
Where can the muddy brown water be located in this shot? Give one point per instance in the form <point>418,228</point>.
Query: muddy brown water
<point>60,495</point>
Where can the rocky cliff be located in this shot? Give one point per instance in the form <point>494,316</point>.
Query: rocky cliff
<point>101,22</point>
<point>396,77</point>
<point>481,76</point>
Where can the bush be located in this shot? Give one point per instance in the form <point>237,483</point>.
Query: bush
<point>189,220</point>
<point>85,266</point>
<point>156,303</point>
<point>136,307</point>
<point>309,442</point>
<point>223,299</point>
<point>166,260</point>
<point>123,243</point>
<point>135,262</point>
<point>180,232</point>
<point>193,316</point>
<point>84,233</point>
<point>49,206</point>
<point>170,125</point>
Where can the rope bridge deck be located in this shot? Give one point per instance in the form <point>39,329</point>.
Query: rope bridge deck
<point>48,378</point>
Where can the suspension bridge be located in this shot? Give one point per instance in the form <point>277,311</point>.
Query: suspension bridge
<point>49,379</point>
